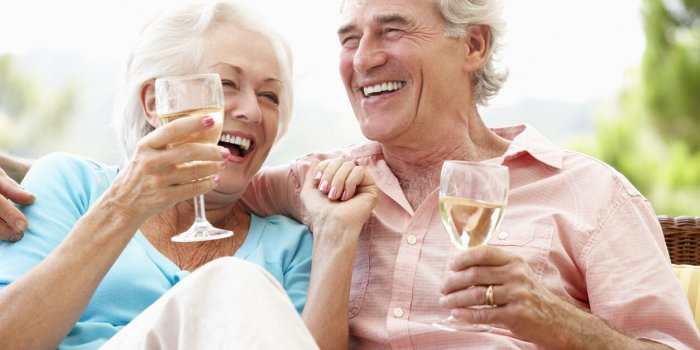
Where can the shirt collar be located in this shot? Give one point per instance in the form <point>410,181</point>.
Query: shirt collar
<point>526,140</point>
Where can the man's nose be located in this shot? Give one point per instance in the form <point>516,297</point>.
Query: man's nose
<point>369,54</point>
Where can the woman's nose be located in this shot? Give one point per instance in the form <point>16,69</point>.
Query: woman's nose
<point>246,107</point>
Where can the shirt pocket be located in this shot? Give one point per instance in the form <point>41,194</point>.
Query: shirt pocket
<point>532,242</point>
<point>360,274</point>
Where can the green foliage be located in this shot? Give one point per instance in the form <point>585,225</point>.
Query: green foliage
<point>30,114</point>
<point>671,70</point>
<point>654,137</point>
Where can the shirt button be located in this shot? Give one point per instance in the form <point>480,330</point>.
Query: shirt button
<point>411,239</point>
<point>398,312</point>
<point>503,235</point>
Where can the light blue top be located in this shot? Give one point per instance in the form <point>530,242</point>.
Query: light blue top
<point>67,186</point>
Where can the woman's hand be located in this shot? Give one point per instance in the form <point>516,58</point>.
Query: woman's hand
<point>340,192</point>
<point>156,177</point>
<point>335,214</point>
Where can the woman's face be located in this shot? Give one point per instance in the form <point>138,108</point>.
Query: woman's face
<point>252,82</point>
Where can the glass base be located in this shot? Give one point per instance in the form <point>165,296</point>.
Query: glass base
<point>202,231</point>
<point>452,325</point>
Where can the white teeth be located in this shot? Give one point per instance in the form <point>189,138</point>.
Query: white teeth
<point>386,86</point>
<point>242,142</point>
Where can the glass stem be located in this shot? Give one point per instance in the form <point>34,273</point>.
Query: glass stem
<point>199,215</point>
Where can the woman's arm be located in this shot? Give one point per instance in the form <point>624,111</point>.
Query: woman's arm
<point>41,306</point>
<point>337,224</point>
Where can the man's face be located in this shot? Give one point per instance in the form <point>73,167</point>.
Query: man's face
<point>401,74</point>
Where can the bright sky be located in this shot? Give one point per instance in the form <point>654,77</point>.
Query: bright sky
<point>556,49</point>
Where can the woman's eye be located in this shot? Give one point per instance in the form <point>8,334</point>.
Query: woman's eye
<point>229,83</point>
<point>272,97</point>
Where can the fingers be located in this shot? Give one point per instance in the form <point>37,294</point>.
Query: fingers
<point>176,130</point>
<point>473,296</point>
<point>482,255</point>
<point>12,222</point>
<point>195,152</point>
<point>194,188</point>
<point>473,276</point>
<point>339,178</point>
<point>13,191</point>
<point>181,164</point>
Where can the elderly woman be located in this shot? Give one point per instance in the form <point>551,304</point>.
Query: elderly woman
<point>97,252</point>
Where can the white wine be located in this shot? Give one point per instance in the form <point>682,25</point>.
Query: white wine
<point>469,223</point>
<point>211,135</point>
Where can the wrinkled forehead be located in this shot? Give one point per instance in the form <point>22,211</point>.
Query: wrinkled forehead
<point>355,13</point>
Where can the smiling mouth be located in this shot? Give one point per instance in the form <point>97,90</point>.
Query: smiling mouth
<point>382,88</point>
<point>239,146</point>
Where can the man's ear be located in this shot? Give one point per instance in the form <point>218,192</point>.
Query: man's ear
<point>148,102</point>
<point>478,44</point>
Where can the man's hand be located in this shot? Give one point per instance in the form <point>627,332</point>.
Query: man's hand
<point>12,222</point>
<point>523,305</point>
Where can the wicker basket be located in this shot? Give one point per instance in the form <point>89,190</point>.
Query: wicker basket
<point>682,234</point>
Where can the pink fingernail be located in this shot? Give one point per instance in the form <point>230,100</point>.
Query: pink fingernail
<point>225,153</point>
<point>318,175</point>
<point>344,196</point>
<point>324,186</point>
<point>217,179</point>
<point>331,195</point>
<point>207,121</point>
<point>21,225</point>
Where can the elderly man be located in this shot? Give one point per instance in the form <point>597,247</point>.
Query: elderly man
<point>579,260</point>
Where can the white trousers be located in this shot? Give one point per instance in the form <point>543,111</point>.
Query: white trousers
<point>228,303</point>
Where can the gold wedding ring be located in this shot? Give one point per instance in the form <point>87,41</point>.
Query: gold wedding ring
<point>489,295</point>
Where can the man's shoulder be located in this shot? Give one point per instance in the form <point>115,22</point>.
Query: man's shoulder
<point>349,152</point>
<point>584,167</point>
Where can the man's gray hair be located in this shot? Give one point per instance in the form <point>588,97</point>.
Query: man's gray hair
<point>459,17</point>
<point>173,43</point>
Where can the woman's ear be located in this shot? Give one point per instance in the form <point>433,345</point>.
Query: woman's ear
<point>148,102</point>
<point>478,44</point>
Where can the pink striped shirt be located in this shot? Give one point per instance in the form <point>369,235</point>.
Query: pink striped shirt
<point>586,232</point>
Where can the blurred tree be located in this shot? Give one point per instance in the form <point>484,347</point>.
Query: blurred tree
<point>671,68</point>
<point>654,136</point>
<point>31,115</point>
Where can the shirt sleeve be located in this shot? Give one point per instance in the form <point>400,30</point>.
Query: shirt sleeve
<point>630,281</point>
<point>276,190</point>
<point>58,182</point>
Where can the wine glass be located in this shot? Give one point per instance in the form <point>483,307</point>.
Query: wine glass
<point>473,197</point>
<point>185,96</point>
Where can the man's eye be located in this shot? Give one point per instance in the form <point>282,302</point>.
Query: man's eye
<point>393,32</point>
<point>350,41</point>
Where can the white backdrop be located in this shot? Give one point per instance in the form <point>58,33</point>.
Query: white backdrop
<point>564,51</point>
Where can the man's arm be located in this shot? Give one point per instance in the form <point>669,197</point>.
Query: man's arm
<point>12,171</point>
<point>15,167</point>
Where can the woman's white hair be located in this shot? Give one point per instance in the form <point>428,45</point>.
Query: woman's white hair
<point>459,16</point>
<point>173,43</point>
